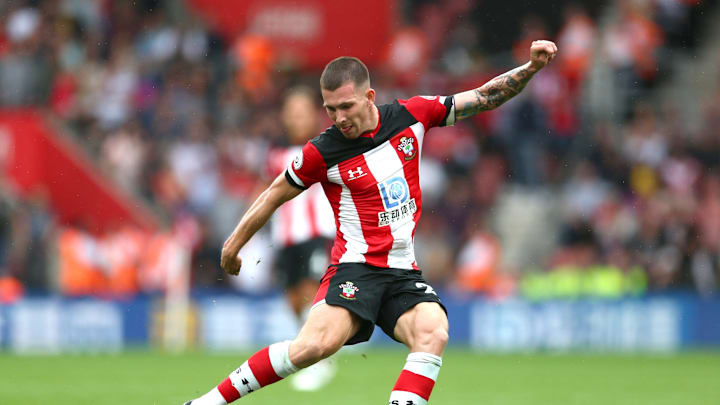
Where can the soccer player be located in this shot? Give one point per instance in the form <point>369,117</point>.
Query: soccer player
<point>367,164</point>
<point>302,228</point>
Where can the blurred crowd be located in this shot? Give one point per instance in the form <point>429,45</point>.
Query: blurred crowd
<point>539,190</point>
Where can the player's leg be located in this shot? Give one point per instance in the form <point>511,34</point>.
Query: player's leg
<point>325,332</point>
<point>423,328</point>
<point>301,266</point>
<point>415,317</point>
<point>300,296</point>
<point>327,329</point>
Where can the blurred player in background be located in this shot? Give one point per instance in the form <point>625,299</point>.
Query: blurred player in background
<point>368,165</point>
<point>302,229</point>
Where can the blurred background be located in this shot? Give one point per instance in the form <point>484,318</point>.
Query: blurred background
<point>583,214</point>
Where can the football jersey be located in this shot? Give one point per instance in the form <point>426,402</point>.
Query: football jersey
<point>306,216</point>
<point>372,182</point>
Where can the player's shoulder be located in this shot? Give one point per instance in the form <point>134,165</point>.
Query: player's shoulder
<point>402,108</point>
<point>328,141</point>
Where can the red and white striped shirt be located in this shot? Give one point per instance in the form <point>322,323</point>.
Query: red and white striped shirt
<point>306,216</point>
<point>372,182</point>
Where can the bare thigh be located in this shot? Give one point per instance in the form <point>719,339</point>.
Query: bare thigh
<point>423,328</point>
<point>326,330</point>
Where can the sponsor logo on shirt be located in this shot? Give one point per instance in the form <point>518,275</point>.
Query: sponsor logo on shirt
<point>396,199</point>
<point>394,192</point>
<point>401,213</point>
<point>356,174</point>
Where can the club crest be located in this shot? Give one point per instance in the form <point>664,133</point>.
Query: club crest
<point>348,290</point>
<point>406,146</point>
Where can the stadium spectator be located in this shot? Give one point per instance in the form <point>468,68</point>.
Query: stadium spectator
<point>58,54</point>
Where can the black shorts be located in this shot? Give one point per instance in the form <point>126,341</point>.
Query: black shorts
<point>378,296</point>
<point>306,260</point>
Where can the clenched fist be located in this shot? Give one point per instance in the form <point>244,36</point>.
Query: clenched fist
<point>541,53</point>
<point>230,261</point>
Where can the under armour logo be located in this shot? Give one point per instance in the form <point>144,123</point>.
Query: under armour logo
<point>356,174</point>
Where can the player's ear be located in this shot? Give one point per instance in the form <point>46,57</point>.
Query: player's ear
<point>370,95</point>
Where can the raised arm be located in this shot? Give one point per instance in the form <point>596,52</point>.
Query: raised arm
<point>506,86</point>
<point>256,216</point>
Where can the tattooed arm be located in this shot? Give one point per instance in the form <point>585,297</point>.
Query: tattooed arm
<point>506,86</point>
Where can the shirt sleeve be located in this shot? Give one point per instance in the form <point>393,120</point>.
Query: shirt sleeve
<point>307,168</point>
<point>432,111</point>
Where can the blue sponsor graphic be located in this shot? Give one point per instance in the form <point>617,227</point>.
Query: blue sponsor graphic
<point>565,325</point>
<point>394,192</point>
<point>237,321</point>
<point>55,325</point>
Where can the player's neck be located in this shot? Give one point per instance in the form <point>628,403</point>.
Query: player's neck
<point>373,122</point>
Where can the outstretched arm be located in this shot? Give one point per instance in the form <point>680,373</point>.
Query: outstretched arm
<point>506,86</point>
<point>256,216</point>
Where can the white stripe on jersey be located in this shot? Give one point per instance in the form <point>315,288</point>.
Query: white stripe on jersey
<point>292,223</point>
<point>384,164</point>
<point>349,220</point>
<point>419,130</point>
<point>299,228</point>
<point>324,217</point>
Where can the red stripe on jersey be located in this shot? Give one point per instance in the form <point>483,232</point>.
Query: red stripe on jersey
<point>332,191</point>
<point>262,368</point>
<point>324,284</point>
<point>311,168</point>
<point>368,202</point>
<point>415,383</point>
<point>430,112</point>
<point>411,170</point>
<point>228,391</point>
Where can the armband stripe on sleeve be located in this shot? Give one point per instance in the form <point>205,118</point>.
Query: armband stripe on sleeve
<point>449,103</point>
<point>294,180</point>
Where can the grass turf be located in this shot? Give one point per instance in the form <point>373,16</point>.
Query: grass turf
<point>366,377</point>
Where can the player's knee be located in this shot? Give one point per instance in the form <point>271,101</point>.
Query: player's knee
<point>313,349</point>
<point>324,347</point>
<point>431,333</point>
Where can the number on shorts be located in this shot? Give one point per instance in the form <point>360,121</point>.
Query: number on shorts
<point>428,288</point>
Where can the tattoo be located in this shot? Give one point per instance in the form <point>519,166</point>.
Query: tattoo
<point>495,92</point>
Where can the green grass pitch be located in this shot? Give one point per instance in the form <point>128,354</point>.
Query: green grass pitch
<point>366,377</point>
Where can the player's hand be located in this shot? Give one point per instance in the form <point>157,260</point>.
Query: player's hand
<point>541,53</point>
<point>230,261</point>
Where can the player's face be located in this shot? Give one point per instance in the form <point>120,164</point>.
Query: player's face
<point>351,109</point>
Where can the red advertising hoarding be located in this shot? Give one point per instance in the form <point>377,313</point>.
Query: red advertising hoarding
<point>33,157</point>
<point>310,33</point>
